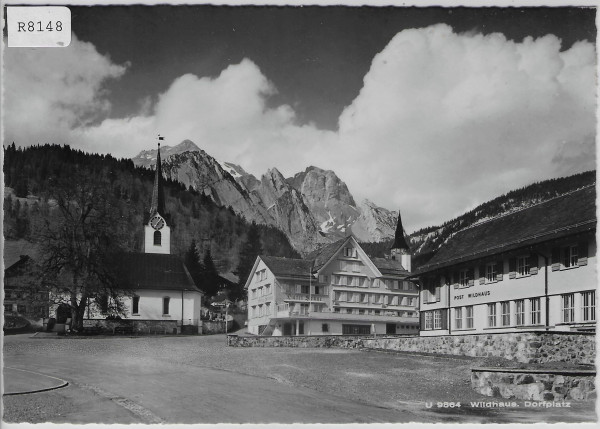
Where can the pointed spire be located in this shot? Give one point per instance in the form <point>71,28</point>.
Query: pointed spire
<point>399,240</point>
<point>158,195</point>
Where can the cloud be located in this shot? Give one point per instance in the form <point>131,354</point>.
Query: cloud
<point>444,121</point>
<point>49,92</point>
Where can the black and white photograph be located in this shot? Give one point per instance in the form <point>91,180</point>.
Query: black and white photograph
<point>298,213</point>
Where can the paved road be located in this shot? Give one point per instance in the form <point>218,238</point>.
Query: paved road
<point>199,380</point>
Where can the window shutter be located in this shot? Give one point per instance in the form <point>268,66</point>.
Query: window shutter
<point>512,268</point>
<point>454,278</point>
<point>556,258</point>
<point>421,320</point>
<point>533,264</point>
<point>437,294</point>
<point>444,318</point>
<point>582,252</point>
<point>470,277</point>
<point>481,274</point>
<point>499,269</point>
<point>298,289</point>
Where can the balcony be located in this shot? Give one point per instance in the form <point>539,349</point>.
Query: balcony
<point>304,297</point>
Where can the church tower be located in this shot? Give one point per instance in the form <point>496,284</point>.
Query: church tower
<point>157,234</point>
<point>400,248</point>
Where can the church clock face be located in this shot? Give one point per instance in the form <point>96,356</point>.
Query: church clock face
<point>157,222</point>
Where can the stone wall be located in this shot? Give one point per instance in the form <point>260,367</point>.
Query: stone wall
<point>146,327</point>
<point>534,385</point>
<point>525,347</point>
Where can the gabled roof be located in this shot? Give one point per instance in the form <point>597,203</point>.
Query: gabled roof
<point>323,255</point>
<point>287,267</point>
<point>562,216</point>
<point>157,272</point>
<point>389,266</point>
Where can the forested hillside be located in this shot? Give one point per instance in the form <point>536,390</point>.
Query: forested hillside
<point>30,174</point>
<point>425,242</point>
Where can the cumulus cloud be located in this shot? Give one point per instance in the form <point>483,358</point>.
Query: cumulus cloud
<point>444,121</point>
<point>49,92</point>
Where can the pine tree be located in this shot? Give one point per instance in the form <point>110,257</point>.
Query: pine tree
<point>210,275</point>
<point>248,253</point>
<point>195,268</point>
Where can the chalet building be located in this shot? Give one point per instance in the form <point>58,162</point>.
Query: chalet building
<point>19,298</point>
<point>161,288</point>
<point>337,290</point>
<point>534,269</point>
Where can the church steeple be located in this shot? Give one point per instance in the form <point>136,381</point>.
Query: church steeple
<point>158,194</point>
<point>401,247</point>
<point>157,231</point>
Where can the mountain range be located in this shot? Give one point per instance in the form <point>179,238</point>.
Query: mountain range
<point>313,207</point>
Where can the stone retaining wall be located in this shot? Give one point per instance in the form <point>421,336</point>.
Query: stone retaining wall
<point>215,326</point>
<point>536,386</point>
<point>525,347</point>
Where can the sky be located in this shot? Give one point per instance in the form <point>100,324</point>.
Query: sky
<point>431,111</point>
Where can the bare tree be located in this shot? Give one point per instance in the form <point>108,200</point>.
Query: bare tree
<point>82,242</point>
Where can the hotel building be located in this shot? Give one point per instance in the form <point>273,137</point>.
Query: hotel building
<point>337,290</point>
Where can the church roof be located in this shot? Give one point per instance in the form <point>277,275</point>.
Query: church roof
<point>399,240</point>
<point>158,193</point>
<point>562,216</point>
<point>156,271</point>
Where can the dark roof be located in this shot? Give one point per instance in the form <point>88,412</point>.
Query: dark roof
<point>399,240</point>
<point>562,216</point>
<point>14,250</point>
<point>158,194</point>
<point>389,266</point>
<point>156,271</point>
<point>324,254</point>
<point>288,267</point>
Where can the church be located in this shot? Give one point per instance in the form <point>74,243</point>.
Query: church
<point>162,296</point>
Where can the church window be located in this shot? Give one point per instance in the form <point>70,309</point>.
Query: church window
<point>157,238</point>
<point>135,305</point>
<point>166,301</point>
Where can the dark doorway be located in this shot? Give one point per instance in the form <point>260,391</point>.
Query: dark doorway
<point>390,328</point>
<point>287,329</point>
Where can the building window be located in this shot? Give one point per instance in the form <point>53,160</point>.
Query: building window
<point>589,306</point>
<point>157,238</point>
<point>536,311</point>
<point>505,307</point>
<point>463,278</point>
<point>253,293</point>
<point>21,309</point>
<point>520,312</point>
<point>135,305</point>
<point>267,289</point>
<point>349,310</point>
<point>491,272</point>
<point>8,308</point>
<point>349,252</point>
<point>361,311</point>
<point>437,319</point>
<point>261,311</point>
<point>268,308</point>
<point>523,266</point>
<point>325,327</point>
<point>336,310</point>
<point>428,321</point>
<point>492,315</point>
<point>568,308</point>
<point>570,256</point>
<point>166,301</point>
<point>469,317</point>
<point>356,329</point>
<point>304,289</point>
<point>458,318</point>
<point>304,309</point>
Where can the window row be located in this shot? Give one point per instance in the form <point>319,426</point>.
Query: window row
<point>374,298</point>
<point>348,266</point>
<point>435,319</point>
<point>260,310</point>
<point>520,312</point>
<point>261,275</point>
<point>587,305</point>
<point>368,312</point>
<point>260,291</point>
<point>307,289</point>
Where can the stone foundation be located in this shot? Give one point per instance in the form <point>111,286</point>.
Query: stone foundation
<point>524,347</point>
<point>210,327</point>
<point>541,385</point>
